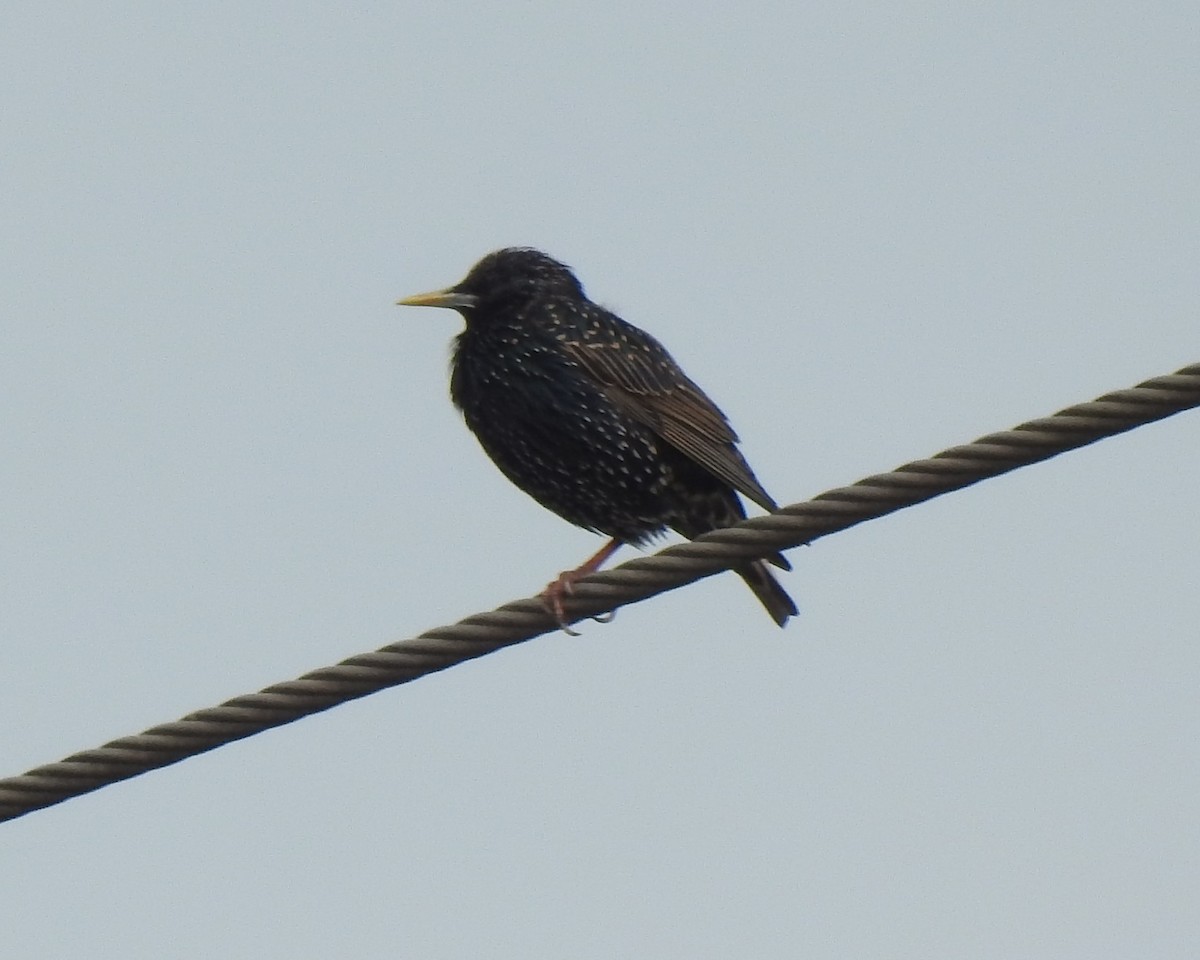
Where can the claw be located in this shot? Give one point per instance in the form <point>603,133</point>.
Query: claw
<point>552,599</point>
<point>565,584</point>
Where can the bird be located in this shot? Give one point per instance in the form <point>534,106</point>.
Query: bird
<point>593,418</point>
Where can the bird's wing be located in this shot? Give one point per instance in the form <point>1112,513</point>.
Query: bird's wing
<point>638,374</point>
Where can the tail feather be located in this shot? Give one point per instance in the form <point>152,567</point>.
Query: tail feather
<point>720,507</point>
<point>770,594</point>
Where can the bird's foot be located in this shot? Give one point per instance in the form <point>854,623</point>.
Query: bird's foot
<point>563,586</point>
<point>552,598</point>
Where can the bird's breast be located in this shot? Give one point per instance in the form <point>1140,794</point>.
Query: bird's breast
<point>519,375</point>
<point>552,429</point>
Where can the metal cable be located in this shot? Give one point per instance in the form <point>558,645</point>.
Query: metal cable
<point>638,579</point>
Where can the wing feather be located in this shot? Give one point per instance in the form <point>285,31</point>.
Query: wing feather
<point>639,375</point>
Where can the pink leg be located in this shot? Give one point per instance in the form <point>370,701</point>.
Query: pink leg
<point>565,582</point>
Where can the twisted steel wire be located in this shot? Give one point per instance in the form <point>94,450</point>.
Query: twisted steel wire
<point>521,620</point>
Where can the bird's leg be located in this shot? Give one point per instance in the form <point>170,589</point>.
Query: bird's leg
<point>564,584</point>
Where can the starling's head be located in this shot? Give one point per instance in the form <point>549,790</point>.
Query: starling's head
<point>503,282</point>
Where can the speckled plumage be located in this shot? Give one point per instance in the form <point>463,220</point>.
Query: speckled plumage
<point>590,415</point>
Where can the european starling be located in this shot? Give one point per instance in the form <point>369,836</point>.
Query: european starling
<point>592,417</point>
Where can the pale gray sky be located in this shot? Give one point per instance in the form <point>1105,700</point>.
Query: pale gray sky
<point>870,231</point>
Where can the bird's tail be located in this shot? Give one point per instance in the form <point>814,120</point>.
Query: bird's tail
<point>770,594</point>
<point>721,508</point>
